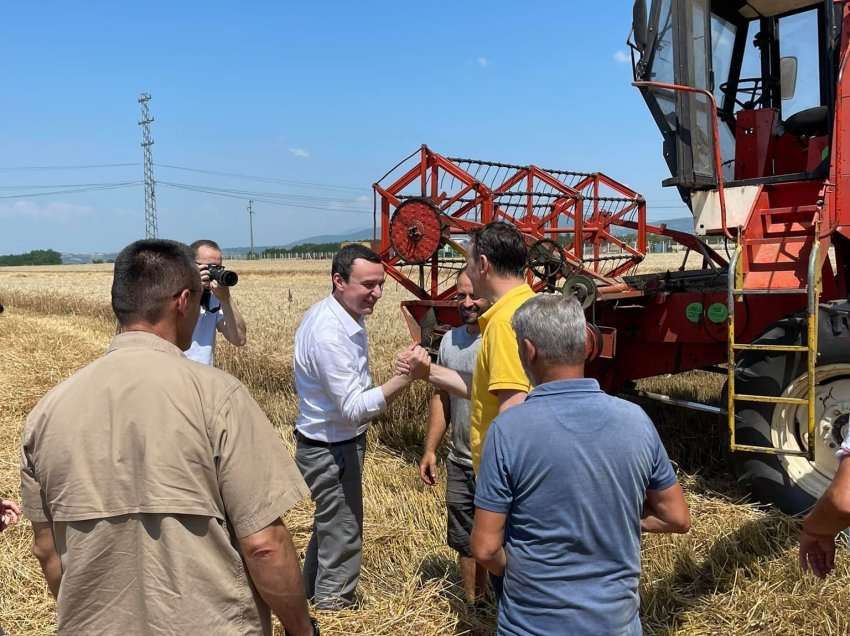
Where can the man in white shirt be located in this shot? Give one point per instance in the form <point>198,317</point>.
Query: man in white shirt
<point>218,310</point>
<point>336,401</point>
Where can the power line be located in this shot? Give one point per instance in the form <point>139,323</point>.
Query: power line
<point>284,196</point>
<point>67,167</point>
<point>64,185</point>
<point>261,199</point>
<point>30,195</point>
<point>238,175</point>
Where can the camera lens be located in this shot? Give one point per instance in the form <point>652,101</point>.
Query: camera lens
<point>229,278</point>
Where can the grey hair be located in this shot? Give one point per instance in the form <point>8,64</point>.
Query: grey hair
<point>556,325</point>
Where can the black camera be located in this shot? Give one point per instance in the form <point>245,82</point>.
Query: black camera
<point>222,276</point>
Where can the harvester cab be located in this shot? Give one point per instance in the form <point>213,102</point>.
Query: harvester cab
<point>764,73</point>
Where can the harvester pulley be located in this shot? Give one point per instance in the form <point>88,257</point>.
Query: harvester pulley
<point>416,230</point>
<point>546,261</point>
<point>582,287</point>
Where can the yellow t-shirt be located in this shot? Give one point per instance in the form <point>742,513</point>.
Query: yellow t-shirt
<point>498,366</point>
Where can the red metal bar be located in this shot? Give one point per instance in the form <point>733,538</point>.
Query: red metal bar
<point>434,183</point>
<point>641,230</point>
<point>460,194</point>
<point>423,170</point>
<point>718,163</point>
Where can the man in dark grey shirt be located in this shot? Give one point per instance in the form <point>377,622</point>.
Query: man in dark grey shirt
<point>458,351</point>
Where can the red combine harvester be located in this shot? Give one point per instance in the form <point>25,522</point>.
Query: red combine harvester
<point>753,102</point>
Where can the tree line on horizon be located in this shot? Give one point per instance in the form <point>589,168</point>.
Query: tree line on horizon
<point>303,248</point>
<point>33,257</point>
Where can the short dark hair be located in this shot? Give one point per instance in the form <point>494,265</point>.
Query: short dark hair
<point>204,243</point>
<point>503,245</point>
<point>147,274</point>
<point>344,259</point>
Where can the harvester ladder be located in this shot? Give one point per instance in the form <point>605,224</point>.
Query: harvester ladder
<point>812,290</point>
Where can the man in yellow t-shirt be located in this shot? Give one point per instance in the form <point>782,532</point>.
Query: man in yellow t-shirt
<point>496,259</point>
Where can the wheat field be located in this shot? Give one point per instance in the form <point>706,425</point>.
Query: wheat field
<point>735,573</point>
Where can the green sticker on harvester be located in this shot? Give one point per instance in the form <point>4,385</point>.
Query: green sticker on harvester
<point>694,312</point>
<point>717,313</point>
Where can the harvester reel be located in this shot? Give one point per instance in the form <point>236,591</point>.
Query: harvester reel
<point>416,230</point>
<point>582,287</point>
<point>546,260</point>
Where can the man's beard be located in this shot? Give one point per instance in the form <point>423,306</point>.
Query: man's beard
<point>469,317</point>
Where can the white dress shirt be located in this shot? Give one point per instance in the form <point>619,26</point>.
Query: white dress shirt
<point>202,348</point>
<point>335,401</point>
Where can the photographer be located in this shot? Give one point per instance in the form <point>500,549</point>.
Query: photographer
<point>218,311</point>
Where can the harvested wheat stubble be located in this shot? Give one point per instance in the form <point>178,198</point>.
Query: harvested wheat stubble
<point>735,573</point>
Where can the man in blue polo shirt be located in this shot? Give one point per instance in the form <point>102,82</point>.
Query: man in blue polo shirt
<point>568,481</point>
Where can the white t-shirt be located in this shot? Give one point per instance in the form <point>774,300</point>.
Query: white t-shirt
<point>203,338</point>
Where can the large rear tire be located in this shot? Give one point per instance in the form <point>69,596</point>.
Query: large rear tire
<point>794,483</point>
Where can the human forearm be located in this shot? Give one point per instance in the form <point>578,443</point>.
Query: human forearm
<point>651,523</point>
<point>233,326</point>
<point>494,562</point>
<point>393,387</point>
<point>51,567</point>
<point>666,510</point>
<point>487,540</point>
<point>275,571</point>
<point>449,381</point>
<point>436,422</point>
<point>829,516</point>
<point>44,549</point>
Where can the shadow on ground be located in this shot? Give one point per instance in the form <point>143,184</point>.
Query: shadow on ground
<point>730,558</point>
<point>471,621</point>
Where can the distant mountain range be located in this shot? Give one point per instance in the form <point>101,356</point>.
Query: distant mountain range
<point>682,224</point>
<point>351,235</point>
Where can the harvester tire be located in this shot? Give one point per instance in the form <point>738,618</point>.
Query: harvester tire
<point>792,484</point>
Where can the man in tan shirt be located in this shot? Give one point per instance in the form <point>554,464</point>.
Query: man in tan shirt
<point>156,485</point>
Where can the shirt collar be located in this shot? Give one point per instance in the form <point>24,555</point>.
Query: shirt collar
<point>142,340</point>
<point>519,290</point>
<point>352,327</point>
<point>578,385</point>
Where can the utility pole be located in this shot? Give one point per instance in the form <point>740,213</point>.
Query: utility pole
<point>251,254</point>
<point>151,223</point>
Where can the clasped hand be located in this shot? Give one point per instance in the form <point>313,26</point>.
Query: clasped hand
<point>414,362</point>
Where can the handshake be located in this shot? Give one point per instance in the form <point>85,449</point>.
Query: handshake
<point>414,361</point>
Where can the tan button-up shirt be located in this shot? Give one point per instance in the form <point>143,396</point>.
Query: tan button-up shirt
<point>149,467</point>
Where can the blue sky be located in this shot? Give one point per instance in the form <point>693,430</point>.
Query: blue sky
<point>331,93</point>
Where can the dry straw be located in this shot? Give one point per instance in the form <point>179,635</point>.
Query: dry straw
<point>735,573</point>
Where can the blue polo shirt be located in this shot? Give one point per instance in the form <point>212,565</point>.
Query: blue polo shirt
<point>570,467</point>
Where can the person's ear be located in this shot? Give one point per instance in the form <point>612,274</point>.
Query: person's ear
<point>337,281</point>
<point>529,351</point>
<point>182,302</point>
<point>483,265</point>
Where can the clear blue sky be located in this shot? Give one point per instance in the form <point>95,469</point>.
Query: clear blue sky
<point>333,93</point>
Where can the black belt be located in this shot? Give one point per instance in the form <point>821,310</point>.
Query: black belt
<point>300,437</point>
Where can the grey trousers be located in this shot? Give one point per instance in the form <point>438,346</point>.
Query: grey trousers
<point>335,478</point>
